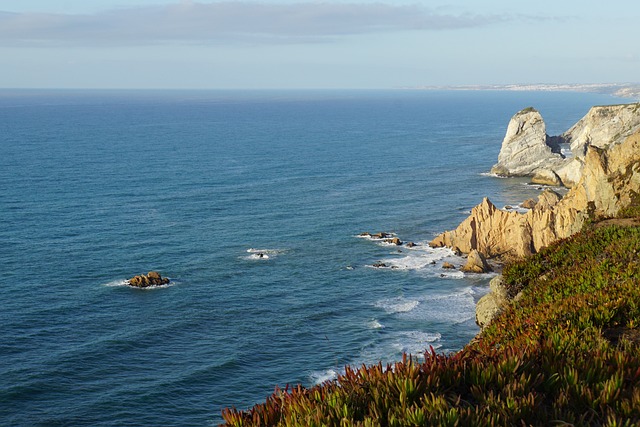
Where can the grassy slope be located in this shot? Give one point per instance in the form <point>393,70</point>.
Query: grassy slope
<point>566,352</point>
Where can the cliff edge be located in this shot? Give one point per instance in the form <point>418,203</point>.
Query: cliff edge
<point>527,150</point>
<point>609,180</point>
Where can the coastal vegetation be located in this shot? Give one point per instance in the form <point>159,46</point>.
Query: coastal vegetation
<point>564,352</point>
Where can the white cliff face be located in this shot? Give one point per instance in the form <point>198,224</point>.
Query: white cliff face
<point>603,126</point>
<point>524,148</point>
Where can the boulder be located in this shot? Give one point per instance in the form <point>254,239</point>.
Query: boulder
<point>545,176</point>
<point>547,199</point>
<point>394,241</point>
<point>493,303</point>
<point>476,263</point>
<point>381,235</point>
<point>529,203</point>
<point>448,265</point>
<point>410,245</point>
<point>153,278</point>
<point>570,172</point>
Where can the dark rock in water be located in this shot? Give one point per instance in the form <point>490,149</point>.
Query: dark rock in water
<point>410,245</point>
<point>448,265</point>
<point>152,278</point>
<point>381,235</point>
<point>394,241</point>
<point>508,207</point>
<point>365,234</point>
<point>379,265</point>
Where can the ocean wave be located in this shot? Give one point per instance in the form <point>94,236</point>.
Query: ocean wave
<point>493,175</point>
<point>416,342</point>
<point>320,377</point>
<point>455,307</point>
<point>517,208</point>
<point>422,258</point>
<point>375,324</point>
<point>125,282</point>
<point>117,282</point>
<point>262,254</point>
<point>397,305</point>
<point>449,274</point>
<point>366,236</point>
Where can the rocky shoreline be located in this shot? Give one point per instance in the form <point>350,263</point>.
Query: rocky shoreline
<point>597,159</point>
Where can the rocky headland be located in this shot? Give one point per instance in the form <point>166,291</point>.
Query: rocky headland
<point>560,335</point>
<point>603,176</point>
<point>598,159</point>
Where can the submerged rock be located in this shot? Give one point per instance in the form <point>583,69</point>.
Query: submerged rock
<point>153,278</point>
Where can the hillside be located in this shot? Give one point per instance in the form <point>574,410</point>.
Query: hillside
<point>564,352</point>
<point>562,345</point>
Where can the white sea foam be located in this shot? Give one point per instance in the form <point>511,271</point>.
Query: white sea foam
<point>397,305</point>
<point>118,282</point>
<point>124,282</point>
<point>416,342</point>
<point>265,251</point>
<point>320,377</point>
<point>449,274</point>
<point>516,208</point>
<point>456,307</point>
<point>262,254</point>
<point>375,324</point>
<point>423,258</point>
<point>493,175</point>
<point>391,348</point>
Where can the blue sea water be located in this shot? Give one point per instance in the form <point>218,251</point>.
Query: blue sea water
<point>98,186</point>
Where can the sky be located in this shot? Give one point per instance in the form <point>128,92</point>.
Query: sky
<point>319,44</point>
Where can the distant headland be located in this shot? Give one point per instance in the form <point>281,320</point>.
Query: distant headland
<point>623,90</point>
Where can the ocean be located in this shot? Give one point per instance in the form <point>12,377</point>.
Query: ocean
<point>99,186</point>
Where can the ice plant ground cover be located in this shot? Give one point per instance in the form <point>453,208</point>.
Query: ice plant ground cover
<point>564,352</point>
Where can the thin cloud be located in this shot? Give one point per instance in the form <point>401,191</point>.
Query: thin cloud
<point>191,22</point>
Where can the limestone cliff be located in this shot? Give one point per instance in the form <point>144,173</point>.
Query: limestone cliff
<point>610,181</point>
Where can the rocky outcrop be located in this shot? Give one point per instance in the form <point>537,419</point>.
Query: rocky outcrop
<point>526,148</point>
<point>153,278</point>
<point>610,182</point>
<point>497,233</point>
<point>493,303</point>
<point>603,126</point>
<point>528,151</point>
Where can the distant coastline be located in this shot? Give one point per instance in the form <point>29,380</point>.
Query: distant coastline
<point>623,90</point>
